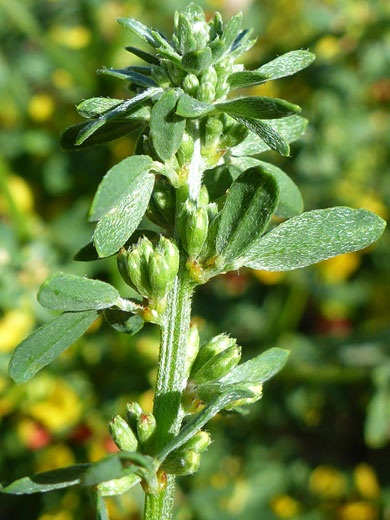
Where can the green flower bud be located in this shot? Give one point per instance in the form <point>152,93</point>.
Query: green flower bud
<point>161,77</point>
<point>186,40</point>
<point>210,76</point>
<point>206,92</point>
<point>218,366</point>
<point>138,265</point>
<point>191,84</point>
<point>233,135</point>
<point>222,89</point>
<point>146,426</point>
<point>162,205</point>
<point>121,259</point>
<point>213,347</point>
<point>159,276</point>
<point>122,434</point>
<point>199,442</point>
<point>256,389</point>
<point>218,23</point>
<point>192,348</point>
<point>194,230</point>
<point>171,254</point>
<point>203,199</point>
<point>118,486</point>
<point>213,131</point>
<point>182,462</point>
<point>186,149</point>
<point>133,413</point>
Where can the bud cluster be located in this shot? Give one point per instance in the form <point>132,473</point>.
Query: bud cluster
<point>186,459</point>
<point>149,269</point>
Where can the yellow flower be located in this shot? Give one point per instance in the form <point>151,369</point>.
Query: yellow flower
<point>61,408</point>
<point>41,107</point>
<point>268,277</point>
<point>366,481</point>
<point>236,501</point>
<point>327,47</point>
<point>327,482</point>
<point>21,195</point>
<point>284,506</point>
<point>14,326</point>
<point>75,37</point>
<point>340,267</point>
<point>60,515</point>
<point>55,457</point>
<point>61,78</point>
<point>359,511</point>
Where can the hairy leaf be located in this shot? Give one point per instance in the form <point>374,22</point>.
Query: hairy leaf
<point>166,127</point>
<point>259,369</point>
<point>290,198</point>
<point>129,74</point>
<point>124,321</point>
<point>47,343</point>
<point>118,183</point>
<point>315,236</point>
<point>188,106</point>
<point>259,107</point>
<point>266,132</point>
<point>95,107</point>
<point>250,204</point>
<point>69,292</point>
<point>289,128</point>
<point>197,61</point>
<point>139,29</point>
<point>149,58</point>
<point>232,29</point>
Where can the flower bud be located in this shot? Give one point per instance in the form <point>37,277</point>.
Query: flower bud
<point>192,348</point>
<point>121,259</point>
<point>258,394</point>
<point>194,228</point>
<point>186,149</point>
<point>212,348</point>
<point>233,135</point>
<point>182,462</point>
<point>206,92</point>
<point>203,199</point>
<point>146,426</point>
<point>170,252</point>
<point>159,274</point>
<point>199,442</point>
<point>218,366</point>
<point>186,40</point>
<point>133,413</point>
<point>161,208</point>
<point>191,84</point>
<point>210,77</point>
<point>117,486</point>
<point>214,129</point>
<point>138,265</point>
<point>222,89</point>
<point>218,23</point>
<point>122,434</point>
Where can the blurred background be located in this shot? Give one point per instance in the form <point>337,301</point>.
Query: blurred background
<point>316,447</point>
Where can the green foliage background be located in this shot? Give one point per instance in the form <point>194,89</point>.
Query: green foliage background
<point>316,447</point>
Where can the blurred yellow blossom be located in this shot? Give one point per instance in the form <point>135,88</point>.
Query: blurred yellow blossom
<point>146,400</point>
<point>269,277</point>
<point>340,267</point>
<point>373,203</point>
<point>219,480</point>
<point>236,501</point>
<point>40,107</point>
<point>14,327</point>
<point>366,481</point>
<point>60,515</point>
<point>328,482</point>
<point>21,195</point>
<point>358,511</point>
<point>55,457</point>
<point>75,37</point>
<point>284,506</point>
<point>327,47</point>
<point>61,78</point>
<point>61,408</point>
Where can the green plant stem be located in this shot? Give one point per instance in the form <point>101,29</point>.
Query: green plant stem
<point>171,379</point>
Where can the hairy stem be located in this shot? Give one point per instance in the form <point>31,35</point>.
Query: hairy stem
<point>171,380</point>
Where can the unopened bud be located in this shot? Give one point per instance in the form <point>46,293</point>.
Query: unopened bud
<point>133,413</point>
<point>162,204</point>
<point>122,434</point>
<point>146,426</point>
<point>258,394</point>
<point>199,442</point>
<point>206,92</point>
<point>186,40</point>
<point>138,265</point>
<point>214,129</point>
<point>222,89</point>
<point>203,199</point>
<point>121,259</point>
<point>218,23</point>
<point>182,462</point>
<point>171,254</point>
<point>191,84</point>
<point>194,229</point>
<point>213,347</point>
<point>186,149</point>
<point>117,486</point>
<point>234,135</point>
<point>218,366</point>
<point>210,76</point>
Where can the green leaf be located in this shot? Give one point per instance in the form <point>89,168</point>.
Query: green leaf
<point>118,182</point>
<point>95,107</point>
<point>129,74</point>
<point>197,61</point>
<point>69,292</point>
<point>315,236</point>
<point>110,131</point>
<point>124,321</point>
<point>219,179</point>
<point>188,106</point>
<point>149,58</point>
<point>101,508</point>
<point>377,425</point>
<point>267,133</point>
<point>259,369</point>
<point>116,227</point>
<point>232,29</point>
<point>289,128</point>
<point>105,469</point>
<point>250,204</point>
<point>47,481</point>
<point>290,198</point>
<point>139,30</point>
<point>280,67</point>
<point>259,107</point>
<point>203,417</point>
<point>166,128</point>
<point>47,343</point>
